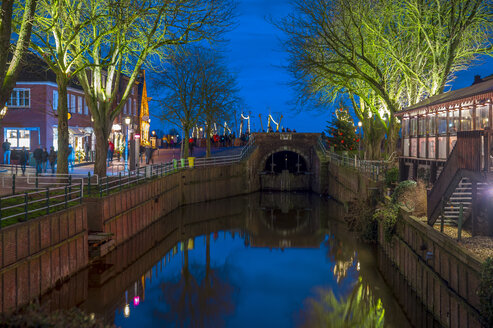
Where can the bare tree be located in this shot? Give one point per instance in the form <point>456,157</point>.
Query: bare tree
<point>16,21</point>
<point>180,83</point>
<point>218,96</point>
<point>135,32</point>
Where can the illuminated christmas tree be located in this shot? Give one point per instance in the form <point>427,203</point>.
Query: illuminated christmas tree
<point>341,131</point>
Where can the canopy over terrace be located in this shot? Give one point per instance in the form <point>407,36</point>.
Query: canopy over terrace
<point>429,128</point>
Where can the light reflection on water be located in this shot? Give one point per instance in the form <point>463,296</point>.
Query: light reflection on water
<point>263,260</point>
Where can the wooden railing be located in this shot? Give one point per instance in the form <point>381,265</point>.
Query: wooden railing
<point>470,154</point>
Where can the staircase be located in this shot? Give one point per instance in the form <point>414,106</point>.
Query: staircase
<point>461,195</point>
<point>453,187</point>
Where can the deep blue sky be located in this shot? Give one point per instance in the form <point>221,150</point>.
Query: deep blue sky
<point>256,55</point>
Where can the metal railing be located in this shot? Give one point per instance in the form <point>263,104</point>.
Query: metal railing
<point>27,205</point>
<point>124,179</point>
<point>375,169</point>
<point>52,192</point>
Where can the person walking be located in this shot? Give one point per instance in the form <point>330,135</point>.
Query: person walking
<point>6,152</point>
<point>24,158</point>
<point>44,159</point>
<point>52,159</point>
<point>111,150</point>
<point>71,157</point>
<point>38,157</point>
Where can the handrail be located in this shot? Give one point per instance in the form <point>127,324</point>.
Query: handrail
<point>464,156</point>
<point>374,168</point>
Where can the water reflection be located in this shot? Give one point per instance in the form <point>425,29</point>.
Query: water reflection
<point>262,260</point>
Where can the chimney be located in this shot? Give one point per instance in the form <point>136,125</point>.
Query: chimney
<point>477,79</point>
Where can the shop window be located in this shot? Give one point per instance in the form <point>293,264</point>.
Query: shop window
<point>414,126</point>
<point>20,98</point>
<point>18,138</point>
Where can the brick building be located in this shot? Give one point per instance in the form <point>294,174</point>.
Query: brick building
<point>31,119</point>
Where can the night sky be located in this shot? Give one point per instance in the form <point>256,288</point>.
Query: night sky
<point>255,53</point>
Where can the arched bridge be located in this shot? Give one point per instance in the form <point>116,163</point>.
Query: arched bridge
<point>284,161</point>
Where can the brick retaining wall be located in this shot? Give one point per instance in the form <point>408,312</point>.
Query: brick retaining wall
<point>50,249</point>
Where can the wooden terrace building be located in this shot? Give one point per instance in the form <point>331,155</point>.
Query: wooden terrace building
<point>447,140</point>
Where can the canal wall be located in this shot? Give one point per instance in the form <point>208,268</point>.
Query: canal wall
<point>444,276</point>
<point>345,184</point>
<point>126,213</point>
<point>37,254</point>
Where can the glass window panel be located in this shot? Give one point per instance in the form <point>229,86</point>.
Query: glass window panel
<point>453,123</point>
<point>55,100</point>
<point>414,126</point>
<point>442,122</point>
<point>466,119</point>
<point>431,148</point>
<point>452,141</point>
<point>405,127</point>
<point>414,147</point>
<point>72,104</point>
<point>19,98</point>
<point>406,147</point>
<point>482,117</point>
<point>79,105</point>
<point>422,147</point>
<point>422,125</point>
<point>431,124</point>
<point>442,147</point>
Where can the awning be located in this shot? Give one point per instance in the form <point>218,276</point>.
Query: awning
<point>79,132</point>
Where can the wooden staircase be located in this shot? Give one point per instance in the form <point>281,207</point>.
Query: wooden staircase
<point>462,179</point>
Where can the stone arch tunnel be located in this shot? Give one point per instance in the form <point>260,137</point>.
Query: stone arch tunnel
<point>285,161</point>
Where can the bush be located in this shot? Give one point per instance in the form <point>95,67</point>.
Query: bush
<point>401,189</point>
<point>387,216</point>
<point>391,176</point>
<point>360,220</point>
<point>485,292</point>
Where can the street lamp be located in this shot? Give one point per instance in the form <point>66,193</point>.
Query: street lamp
<point>360,124</point>
<point>3,112</point>
<point>127,123</point>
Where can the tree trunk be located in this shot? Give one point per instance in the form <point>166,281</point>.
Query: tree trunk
<point>102,134</point>
<point>208,141</point>
<point>63,135</point>
<point>186,136</point>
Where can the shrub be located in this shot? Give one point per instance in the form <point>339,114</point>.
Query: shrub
<point>411,196</point>
<point>387,215</point>
<point>401,188</point>
<point>360,220</point>
<point>391,176</point>
<point>485,292</point>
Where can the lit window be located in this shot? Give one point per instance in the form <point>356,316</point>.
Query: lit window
<point>20,98</point>
<point>72,104</point>
<point>18,138</point>
<point>79,105</point>
<point>55,100</point>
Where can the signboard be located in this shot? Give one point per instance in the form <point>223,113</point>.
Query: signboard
<point>137,136</point>
<point>286,136</point>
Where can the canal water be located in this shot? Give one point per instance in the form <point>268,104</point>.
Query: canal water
<point>262,260</point>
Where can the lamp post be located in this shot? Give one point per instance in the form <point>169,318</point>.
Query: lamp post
<point>360,124</point>
<point>127,123</point>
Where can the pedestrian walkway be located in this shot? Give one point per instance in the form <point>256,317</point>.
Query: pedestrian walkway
<point>20,183</point>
